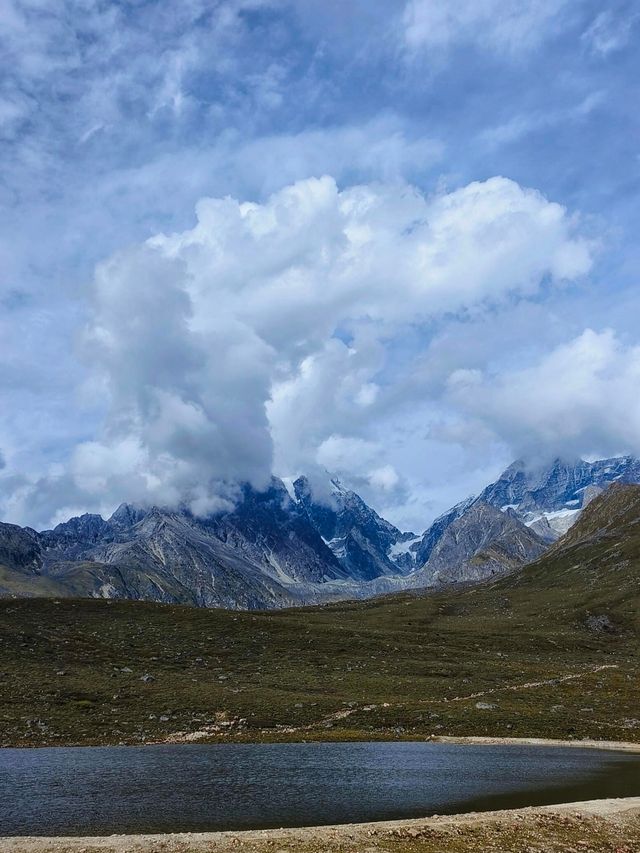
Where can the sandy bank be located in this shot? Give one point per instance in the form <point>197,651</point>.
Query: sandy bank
<point>598,825</point>
<point>616,745</point>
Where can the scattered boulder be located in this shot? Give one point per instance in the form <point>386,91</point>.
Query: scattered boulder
<point>601,624</point>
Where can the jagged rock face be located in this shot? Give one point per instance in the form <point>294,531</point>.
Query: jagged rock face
<point>268,552</point>
<point>547,500</point>
<point>284,546</point>
<point>550,500</point>
<point>359,538</point>
<point>20,549</point>
<point>433,535</point>
<point>560,486</point>
<point>88,527</point>
<point>126,516</point>
<point>250,558</point>
<point>289,545</point>
<point>274,549</point>
<point>168,557</point>
<point>480,543</point>
<point>75,537</point>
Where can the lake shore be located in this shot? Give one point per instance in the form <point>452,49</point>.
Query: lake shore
<point>609,745</point>
<point>597,825</point>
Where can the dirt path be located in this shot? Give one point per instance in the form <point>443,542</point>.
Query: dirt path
<point>591,827</point>
<point>530,685</point>
<point>343,713</point>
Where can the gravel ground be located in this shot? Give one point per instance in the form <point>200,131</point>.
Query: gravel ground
<point>599,826</point>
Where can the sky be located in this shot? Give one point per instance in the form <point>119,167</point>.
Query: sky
<point>393,240</point>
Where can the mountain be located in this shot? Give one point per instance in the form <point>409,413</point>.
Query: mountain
<point>549,499</point>
<point>19,549</point>
<point>276,548</point>
<point>480,543</point>
<point>21,564</point>
<point>366,545</point>
<point>297,543</point>
<point>432,536</point>
<point>548,651</point>
<point>262,554</point>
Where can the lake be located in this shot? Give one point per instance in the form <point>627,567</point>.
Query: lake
<point>104,790</point>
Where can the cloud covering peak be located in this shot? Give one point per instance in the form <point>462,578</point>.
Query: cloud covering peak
<point>411,323</point>
<point>263,339</point>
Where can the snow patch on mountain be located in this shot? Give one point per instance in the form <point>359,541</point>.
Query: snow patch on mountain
<point>559,520</point>
<point>399,549</point>
<point>288,484</point>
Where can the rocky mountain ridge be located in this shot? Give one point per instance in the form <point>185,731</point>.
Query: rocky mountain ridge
<point>286,546</point>
<point>478,544</point>
<point>548,500</point>
<point>273,550</point>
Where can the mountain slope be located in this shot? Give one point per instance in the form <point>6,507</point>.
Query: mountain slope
<point>361,540</point>
<point>480,543</point>
<point>551,498</point>
<point>592,573</point>
<point>547,499</point>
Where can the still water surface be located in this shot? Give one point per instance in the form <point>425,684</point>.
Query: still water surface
<point>96,791</point>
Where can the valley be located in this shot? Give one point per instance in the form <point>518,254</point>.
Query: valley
<point>550,650</point>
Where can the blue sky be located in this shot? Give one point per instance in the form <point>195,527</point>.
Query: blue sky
<point>426,264</point>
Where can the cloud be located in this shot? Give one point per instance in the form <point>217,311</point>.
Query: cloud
<point>610,32</point>
<point>115,118</point>
<point>131,72</point>
<point>523,124</point>
<point>262,338</point>
<point>359,460</point>
<point>508,26</point>
<point>580,399</point>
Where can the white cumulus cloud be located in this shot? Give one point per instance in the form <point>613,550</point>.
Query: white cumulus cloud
<point>260,340</point>
<point>580,399</point>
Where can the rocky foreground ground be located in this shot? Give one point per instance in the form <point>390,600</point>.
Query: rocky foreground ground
<point>599,826</point>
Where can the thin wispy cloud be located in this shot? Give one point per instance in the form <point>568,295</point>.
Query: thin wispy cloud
<point>508,26</point>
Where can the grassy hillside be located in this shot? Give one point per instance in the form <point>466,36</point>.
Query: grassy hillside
<point>552,650</point>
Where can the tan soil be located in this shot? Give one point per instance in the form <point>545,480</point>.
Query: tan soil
<point>616,745</point>
<point>590,827</point>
